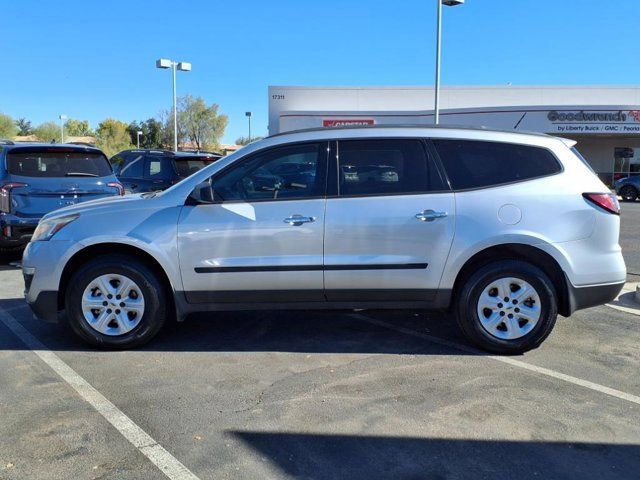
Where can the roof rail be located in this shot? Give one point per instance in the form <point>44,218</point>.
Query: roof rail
<point>394,126</point>
<point>7,142</point>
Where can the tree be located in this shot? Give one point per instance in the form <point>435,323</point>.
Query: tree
<point>166,133</point>
<point>24,126</point>
<point>8,128</point>
<point>47,132</point>
<point>246,141</point>
<point>132,129</point>
<point>151,136</point>
<point>112,136</point>
<point>151,133</point>
<point>78,128</point>
<point>201,123</point>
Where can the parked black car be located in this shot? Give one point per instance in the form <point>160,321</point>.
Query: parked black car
<point>151,170</point>
<point>628,188</point>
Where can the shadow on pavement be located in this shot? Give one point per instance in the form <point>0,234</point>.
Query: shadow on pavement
<point>318,457</point>
<point>8,261</point>
<point>282,331</point>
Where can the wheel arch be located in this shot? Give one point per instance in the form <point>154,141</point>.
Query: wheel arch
<point>518,251</point>
<point>109,248</point>
<point>629,185</point>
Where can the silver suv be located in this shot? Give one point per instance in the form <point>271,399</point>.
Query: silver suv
<point>505,229</point>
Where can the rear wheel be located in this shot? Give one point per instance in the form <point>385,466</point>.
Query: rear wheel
<point>628,193</point>
<point>508,306</point>
<point>115,302</point>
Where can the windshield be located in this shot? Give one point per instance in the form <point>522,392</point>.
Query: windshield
<point>58,163</point>
<point>189,166</point>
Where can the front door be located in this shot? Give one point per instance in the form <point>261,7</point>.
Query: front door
<point>262,239</point>
<point>389,229</point>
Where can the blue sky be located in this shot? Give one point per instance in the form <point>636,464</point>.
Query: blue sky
<point>95,59</point>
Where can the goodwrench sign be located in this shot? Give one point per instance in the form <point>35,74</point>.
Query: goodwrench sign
<point>594,121</point>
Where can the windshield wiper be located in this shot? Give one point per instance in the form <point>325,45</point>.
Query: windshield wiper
<point>79,174</point>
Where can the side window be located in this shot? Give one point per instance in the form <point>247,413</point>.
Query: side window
<point>117,162</point>
<point>157,167</point>
<point>385,167</point>
<point>133,167</point>
<point>283,173</point>
<point>473,164</point>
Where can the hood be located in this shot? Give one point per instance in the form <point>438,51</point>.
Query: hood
<point>93,205</point>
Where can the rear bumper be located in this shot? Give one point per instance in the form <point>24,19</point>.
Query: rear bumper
<point>592,295</point>
<point>16,230</point>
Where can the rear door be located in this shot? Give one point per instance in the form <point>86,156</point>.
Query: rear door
<point>390,223</point>
<point>57,177</point>
<point>159,172</point>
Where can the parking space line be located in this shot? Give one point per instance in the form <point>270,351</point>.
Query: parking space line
<point>508,360</point>
<point>140,439</point>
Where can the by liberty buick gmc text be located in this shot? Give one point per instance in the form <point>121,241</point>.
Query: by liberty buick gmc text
<point>506,229</point>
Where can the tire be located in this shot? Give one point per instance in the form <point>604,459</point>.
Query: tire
<point>497,332</point>
<point>145,294</point>
<point>628,193</point>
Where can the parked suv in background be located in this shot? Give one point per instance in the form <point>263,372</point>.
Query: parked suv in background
<point>505,229</point>
<point>152,170</point>
<point>37,178</point>
<point>628,187</point>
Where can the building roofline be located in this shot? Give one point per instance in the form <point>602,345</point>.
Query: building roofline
<point>457,87</point>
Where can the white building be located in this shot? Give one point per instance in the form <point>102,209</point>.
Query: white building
<point>604,120</point>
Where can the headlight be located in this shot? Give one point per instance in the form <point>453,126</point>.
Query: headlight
<point>48,228</point>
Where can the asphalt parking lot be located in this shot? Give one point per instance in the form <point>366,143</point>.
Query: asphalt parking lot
<point>319,395</point>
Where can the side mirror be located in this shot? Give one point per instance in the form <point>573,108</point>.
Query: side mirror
<point>203,193</point>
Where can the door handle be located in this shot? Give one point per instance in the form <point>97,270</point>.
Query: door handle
<point>297,220</point>
<point>430,215</point>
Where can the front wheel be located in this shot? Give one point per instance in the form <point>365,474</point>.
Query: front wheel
<point>115,302</point>
<point>508,306</point>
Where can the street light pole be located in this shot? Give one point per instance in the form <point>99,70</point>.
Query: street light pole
<point>138,133</point>
<point>175,110</point>
<point>183,67</point>
<point>62,119</point>
<point>436,93</point>
<point>248,114</point>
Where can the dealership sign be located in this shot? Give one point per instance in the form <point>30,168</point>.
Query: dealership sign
<point>348,122</point>
<point>594,121</point>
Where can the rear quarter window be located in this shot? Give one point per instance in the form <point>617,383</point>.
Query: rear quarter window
<point>476,164</point>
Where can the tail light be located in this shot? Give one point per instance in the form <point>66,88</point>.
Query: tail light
<point>5,195</point>
<point>606,201</point>
<point>117,185</point>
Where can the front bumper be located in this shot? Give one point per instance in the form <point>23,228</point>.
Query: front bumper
<point>45,306</point>
<point>42,264</point>
<point>592,295</point>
